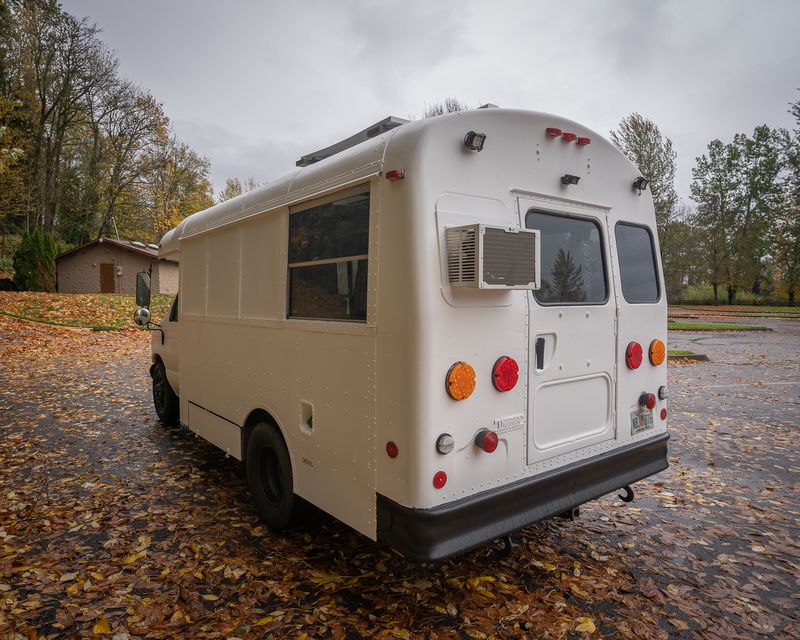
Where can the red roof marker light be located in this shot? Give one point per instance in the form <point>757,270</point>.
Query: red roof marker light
<point>583,141</point>
<point>395,174</point>
<point>569,137</point>
<point>553,131</point>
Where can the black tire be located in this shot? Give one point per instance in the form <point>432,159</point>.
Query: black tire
<point>269,475</point>
<point>164,398</point>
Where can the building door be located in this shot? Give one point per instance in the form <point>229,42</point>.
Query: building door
<point>107,278</point>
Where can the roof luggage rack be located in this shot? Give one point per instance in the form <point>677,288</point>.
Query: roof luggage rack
<point>382,126</point>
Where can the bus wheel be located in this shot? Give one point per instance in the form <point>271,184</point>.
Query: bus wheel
<point>269,474</point>
<point>164,398</point>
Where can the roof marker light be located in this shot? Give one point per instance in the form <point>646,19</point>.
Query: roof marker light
<point>569,137</point>
<point>583,141</point>
<point>393,175</point>
<point>553,131</point>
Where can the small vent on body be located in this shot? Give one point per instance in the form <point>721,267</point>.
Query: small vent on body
<point>462,255</point>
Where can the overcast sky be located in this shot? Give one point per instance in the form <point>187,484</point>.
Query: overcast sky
<point>253,85</point>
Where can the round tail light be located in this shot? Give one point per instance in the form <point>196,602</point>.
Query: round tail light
<point>439,479</point>
<point>460,381</point>
<point>648,400</point>
<point>657,352</point>
<point>486,440</point>
<point>505,373</point>
<point>633,355</point>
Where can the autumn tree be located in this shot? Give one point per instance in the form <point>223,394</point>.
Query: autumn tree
<point>234,187</point>
<point>786,230</point>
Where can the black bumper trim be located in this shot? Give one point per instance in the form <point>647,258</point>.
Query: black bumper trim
<point>440,532</point>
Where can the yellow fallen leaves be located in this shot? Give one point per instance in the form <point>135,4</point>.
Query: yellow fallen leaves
<point>101,627</point>
<point>136,556</point>
<point>585,625</point>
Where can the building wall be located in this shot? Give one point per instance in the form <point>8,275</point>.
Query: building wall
<point>79,272</point>
<point>165,277</point>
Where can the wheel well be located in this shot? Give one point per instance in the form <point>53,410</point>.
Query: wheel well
<point>257,416</point>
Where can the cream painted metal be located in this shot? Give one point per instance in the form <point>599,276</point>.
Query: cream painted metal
<point>383,380</point>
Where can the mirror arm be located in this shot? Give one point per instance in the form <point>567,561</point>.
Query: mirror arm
<point>154,326</point>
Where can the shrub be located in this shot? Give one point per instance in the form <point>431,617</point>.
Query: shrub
<point>34,263</point>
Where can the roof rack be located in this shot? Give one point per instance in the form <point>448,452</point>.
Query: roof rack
<point>376,129</point>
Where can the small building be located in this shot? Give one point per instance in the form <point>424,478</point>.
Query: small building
<point>110,266</point>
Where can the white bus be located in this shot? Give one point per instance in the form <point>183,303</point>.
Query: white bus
<point>436,331</point>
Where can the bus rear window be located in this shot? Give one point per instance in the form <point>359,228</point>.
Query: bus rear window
<point>572,259</point>
<point>637,263</point>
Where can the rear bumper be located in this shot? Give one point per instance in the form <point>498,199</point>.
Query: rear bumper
<point>440,532</point>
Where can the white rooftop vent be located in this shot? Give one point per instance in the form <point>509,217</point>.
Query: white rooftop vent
<point>382,126</point>
<point>152,246</point>
<point>136,243</point>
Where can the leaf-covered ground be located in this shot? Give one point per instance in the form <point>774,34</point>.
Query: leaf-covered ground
<point>92,310</point>
<point>113,526</point>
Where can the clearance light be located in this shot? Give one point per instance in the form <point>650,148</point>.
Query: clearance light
<point>633,355</point>
<point>584,141</point>
<point>445,443</point>
<point>553,131</point>
<point>474,141</point>
<point>393,175</point>
<point>648,400</point>
<point>460,381</point>
<point>569,137</point>
<point>439,479</point>
<point>486,440</point>
<point>663,414</point>
<point>391,449</point>
<point>657,352</point>
<point>505,373</point>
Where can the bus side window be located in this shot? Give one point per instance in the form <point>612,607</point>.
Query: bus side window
<point>328,247</point>
<point>637,263</point>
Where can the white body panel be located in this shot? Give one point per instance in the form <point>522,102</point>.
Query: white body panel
<point>383,380</point>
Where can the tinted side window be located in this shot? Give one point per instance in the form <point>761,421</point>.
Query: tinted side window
<point>328,248</point>
<point>637,263</point>
<point>573,268</point>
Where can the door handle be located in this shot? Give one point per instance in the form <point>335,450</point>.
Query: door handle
<point>540,353</point>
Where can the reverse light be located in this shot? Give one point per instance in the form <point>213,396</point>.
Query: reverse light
<point>486,440</point>
<point>657,352</point>
<point>505,373</point>
<point>663,393</point>
<point>445,443</point>
<point>460,381</point>
<point>439,479</point>
<point>633,355</point>
<point>648,400</point>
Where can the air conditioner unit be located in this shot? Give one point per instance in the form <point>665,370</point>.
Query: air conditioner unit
<point>484,256</point>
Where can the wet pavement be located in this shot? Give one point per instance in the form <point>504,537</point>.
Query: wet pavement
<point>112,525</point>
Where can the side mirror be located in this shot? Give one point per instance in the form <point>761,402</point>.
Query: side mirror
<point>143,289</point>
<point>141,316</point>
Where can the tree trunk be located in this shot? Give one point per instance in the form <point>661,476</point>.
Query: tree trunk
<point>715,286</point>
<point>731,295</point>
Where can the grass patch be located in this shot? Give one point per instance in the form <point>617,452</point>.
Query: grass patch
<point>98,311</point>
<point>680,352</point>
<point>714,326</point>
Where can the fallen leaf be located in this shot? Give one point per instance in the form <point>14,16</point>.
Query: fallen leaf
<point>101,627</point>
<point>585,625</point>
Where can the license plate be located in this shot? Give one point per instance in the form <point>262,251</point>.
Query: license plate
<point>641,421</point>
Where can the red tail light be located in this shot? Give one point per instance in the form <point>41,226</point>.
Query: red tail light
<point>391,449</point>
<point>487,440</point>
<point>648,400</point>
<point>663,414</point>
<point>505,373</point>
<point>439,479</point>
<point>633,355</point>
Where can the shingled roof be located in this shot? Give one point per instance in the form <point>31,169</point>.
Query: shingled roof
<point>150,250</point>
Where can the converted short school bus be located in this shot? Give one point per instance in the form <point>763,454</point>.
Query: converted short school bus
<point>438,335</point>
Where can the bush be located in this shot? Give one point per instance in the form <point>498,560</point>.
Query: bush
<point>34,263</point>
